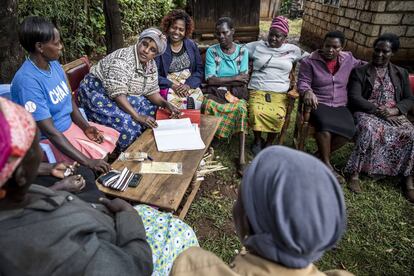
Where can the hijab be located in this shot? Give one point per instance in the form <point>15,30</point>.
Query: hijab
<point>294,205</point>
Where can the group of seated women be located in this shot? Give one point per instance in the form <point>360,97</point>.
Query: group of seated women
<point>53,232</point>
<point>122,92</point>
<point>367,102</point>
<point>348,98</point>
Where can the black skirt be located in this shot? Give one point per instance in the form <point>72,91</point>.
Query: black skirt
<point>337,120</point>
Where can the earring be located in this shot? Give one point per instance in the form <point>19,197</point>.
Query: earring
<point>245,237</point>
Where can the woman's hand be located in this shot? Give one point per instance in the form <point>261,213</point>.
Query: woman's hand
<point>175,112</point>
<point>182,90</point>
<point>98,165</point>
<point>147,121</point>
<point>59,169</point>
<point>94,134</point>
<point>73,184</point>
<point>310,99</point>
<point>244,78</point>
<point>395,120</point>
<point>385,112</point>
<point>116,205</point>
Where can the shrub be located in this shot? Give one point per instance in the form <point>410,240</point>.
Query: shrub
<point>82,23</point>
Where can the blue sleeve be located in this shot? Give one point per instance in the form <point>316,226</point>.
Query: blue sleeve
<point>244,65</point>
<point>210,67</point>
<point>163,82</point>
<point>28,92</point>
<point>196,77</point>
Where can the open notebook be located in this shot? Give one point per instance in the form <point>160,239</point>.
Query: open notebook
<point>177,134</point>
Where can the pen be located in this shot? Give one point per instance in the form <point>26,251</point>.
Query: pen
<point>150,158</point>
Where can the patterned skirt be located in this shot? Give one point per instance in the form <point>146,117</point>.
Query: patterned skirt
<point>382,149</point>
<point>167,237</point>
<point>234,116</point>
<point>267,116</point>
<point>101,109</point>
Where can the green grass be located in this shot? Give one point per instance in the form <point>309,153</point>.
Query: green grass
<point>379,239</point>
<point>380,234</point>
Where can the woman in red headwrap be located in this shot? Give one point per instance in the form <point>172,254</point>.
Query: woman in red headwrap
<point>272,62</point>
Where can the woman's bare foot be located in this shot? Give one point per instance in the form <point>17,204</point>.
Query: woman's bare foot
<point>353,184</point>
<point>409,188</point>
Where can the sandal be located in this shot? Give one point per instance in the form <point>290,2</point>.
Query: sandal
<point>353,185</point>
<point>339,177</point>
<point>409,191</point>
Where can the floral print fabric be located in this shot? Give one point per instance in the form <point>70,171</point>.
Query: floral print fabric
<point>381,148</point>
<point>167,237</point>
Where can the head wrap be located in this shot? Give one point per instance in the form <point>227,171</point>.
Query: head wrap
<point>294,205</point>
<point>17,132</point>
<point>159,38</point>
<point>281,23</point>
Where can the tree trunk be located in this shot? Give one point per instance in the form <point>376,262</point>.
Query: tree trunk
<point>11,54</point>
<point>113,37</point>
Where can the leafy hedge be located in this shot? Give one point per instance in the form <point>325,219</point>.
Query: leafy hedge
<point>82,23</point>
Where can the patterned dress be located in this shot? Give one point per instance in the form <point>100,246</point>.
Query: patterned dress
<point>119,73</point>
<point>382,149</point>
<point>101,109</point>
<point>167,237</point>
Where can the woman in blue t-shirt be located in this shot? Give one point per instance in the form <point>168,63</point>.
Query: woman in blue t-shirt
<point>40,86</point>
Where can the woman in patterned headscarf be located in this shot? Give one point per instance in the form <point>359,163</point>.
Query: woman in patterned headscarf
<point>122,91</point>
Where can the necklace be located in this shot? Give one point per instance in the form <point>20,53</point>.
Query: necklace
<point>46,73</point>
<point>177,51</point>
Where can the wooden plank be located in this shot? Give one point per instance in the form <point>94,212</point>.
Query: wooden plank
<point>164,191</point>
<point>196,186</point>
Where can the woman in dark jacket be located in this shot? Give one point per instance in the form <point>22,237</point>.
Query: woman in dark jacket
<point>180,68</point>
<point>380,96</point>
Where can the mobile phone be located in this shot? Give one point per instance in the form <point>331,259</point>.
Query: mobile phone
<point>190,103</point>
<point>268,98</point>
<point>135,180</point>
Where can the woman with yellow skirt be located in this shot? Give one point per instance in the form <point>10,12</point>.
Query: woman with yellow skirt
<point>272,62</point>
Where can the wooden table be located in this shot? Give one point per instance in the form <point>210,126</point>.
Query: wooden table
<point>166,191</point>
